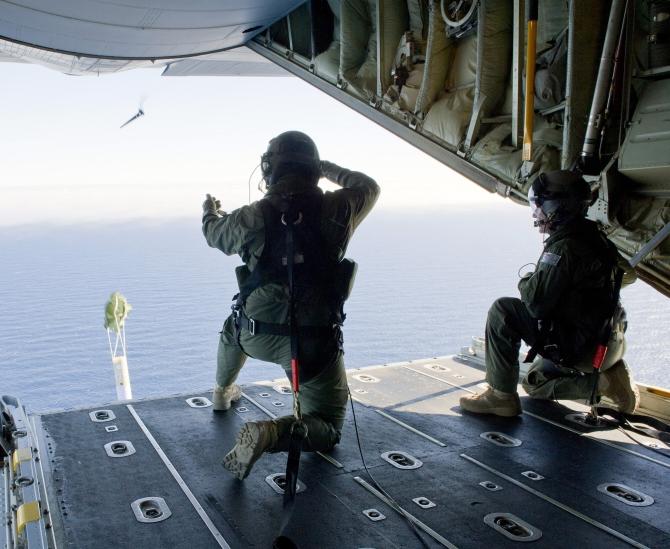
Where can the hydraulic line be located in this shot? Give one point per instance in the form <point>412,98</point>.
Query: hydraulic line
<point>602,87</point>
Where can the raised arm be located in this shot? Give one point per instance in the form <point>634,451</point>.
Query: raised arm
<point>361,191</point>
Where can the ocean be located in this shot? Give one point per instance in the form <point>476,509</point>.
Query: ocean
<point>425,282</point>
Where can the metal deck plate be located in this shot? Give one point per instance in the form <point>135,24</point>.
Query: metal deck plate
<point>411,408</point>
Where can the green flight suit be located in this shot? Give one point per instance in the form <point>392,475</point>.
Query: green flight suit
<point>571,288</point>
<point>323,394</point>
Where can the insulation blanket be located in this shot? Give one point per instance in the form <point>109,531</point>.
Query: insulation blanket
<point>327,64</point>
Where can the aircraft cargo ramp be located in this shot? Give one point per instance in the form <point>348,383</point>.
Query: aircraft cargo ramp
<point>466,481</point>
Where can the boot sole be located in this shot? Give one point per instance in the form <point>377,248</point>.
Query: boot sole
<point>240,460</point>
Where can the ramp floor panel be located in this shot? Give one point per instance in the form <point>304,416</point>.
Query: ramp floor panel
<point>461,504</point>
<point>94,492</point>
<point>557,454</point>
<point>251,508</point>
<point>410,408</point>
<point>633,522</point>
<point>470,377</point>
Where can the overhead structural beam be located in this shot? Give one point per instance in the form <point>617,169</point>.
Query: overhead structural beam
<point>650,246</point>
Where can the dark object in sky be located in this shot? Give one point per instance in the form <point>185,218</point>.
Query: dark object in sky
<point>140,112</point>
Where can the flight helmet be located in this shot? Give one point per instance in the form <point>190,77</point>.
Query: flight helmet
<point>290,152</point>
<point>557,198</point>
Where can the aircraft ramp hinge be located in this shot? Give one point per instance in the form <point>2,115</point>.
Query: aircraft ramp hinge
<point>502,189</point>
<point>651,245</point>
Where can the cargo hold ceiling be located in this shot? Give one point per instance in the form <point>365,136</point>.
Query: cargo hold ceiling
<point>136,29</point>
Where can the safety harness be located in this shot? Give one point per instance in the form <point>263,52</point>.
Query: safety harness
<point>291,219</point>
<point>550,351</point>
<point>543,345</point>
<point>603,342</point>
<point>294,256</point>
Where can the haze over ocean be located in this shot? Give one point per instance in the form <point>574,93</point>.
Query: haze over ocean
<point>425,282</point>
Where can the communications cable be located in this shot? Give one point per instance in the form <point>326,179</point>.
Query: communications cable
<point>621,421</point>
<point>626,422</point>
<point>391,500</point>
<point>249,181</point>
<point>533,265</point>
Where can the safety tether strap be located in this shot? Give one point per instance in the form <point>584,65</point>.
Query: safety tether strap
<point>293,331</point>
<point>644,425</point>
<point>601,349</point>
<point>544,327</point>
<point>298,428</point>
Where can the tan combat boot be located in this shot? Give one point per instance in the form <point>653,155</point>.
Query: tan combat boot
<point>493,402</point>
<point>254,438</point>
<point>223,396</point>
<point>617,384</point>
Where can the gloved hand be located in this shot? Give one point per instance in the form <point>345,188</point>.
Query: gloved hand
<point>211,205</point>
<point>331,171</point>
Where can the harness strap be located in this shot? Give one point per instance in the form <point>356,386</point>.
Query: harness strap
<point>298,428</point>
<point>538,346</point>
<point>256,327</point>
<point>298,436</point>
<point>603,340</point>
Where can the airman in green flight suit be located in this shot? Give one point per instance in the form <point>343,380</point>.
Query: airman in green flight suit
<point>564,305</point>
<point>323,225</point>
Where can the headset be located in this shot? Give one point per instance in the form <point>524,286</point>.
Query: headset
<point>558,196</point>
<point>289,150</point>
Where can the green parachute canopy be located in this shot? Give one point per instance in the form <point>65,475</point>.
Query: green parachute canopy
<point>116,312</point>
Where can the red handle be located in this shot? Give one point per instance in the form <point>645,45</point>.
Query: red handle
<point>294,374</point>
<point>599,356</point>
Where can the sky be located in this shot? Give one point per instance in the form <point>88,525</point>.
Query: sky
<point>63,158</point>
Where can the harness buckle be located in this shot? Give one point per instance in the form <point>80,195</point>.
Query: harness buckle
<point>296,221</point>
<point>553,353</point>
<point>252,326</point>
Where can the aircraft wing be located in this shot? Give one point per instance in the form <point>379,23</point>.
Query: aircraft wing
<point>237,62</point>
<point>91,37</point>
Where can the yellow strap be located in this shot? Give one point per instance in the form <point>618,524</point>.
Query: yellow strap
<point>28,512</point>
<point>529,112</point>
<point>22,454</point>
